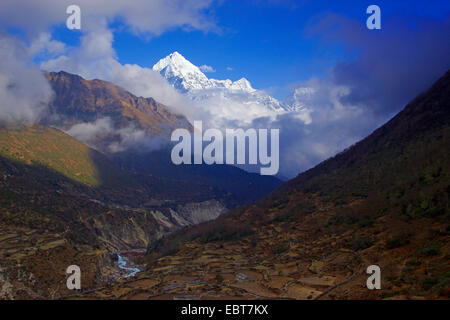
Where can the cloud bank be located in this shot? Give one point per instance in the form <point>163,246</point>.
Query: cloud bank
<point>206,68</point>
<point>392,67</point>
<point>139,16</point>
<point>24,91</point>
<point>119,139</point>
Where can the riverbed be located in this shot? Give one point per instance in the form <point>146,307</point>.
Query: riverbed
<point>123,264</point>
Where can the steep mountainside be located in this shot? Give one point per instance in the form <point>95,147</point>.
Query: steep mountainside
<point>78,100</point>
<point>384,201</point>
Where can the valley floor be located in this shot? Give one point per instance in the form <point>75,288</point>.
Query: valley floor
<point>285,261</point>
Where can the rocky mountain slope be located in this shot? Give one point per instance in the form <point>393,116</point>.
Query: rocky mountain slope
<point>78,100</point>
<point>384,201</point>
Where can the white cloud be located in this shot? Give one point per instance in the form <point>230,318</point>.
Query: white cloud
<point>96,59</point>
<point>333,126</point>
<point>43,44</point>
<point>120,138</point>
<point>230,69</point>
<point>87,132</point>
<point>150,17</point>
<point>24,91</point>
<point>206,68</point>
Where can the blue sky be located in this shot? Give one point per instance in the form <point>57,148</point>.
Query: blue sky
<point>265,41</point>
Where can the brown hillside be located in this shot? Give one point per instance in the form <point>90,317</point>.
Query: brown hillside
<point>79,100</point>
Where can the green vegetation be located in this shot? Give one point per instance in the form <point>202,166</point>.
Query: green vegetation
<point>430,249</point>
<point>413,262</point>
<point>397,241</point>
<point>281,248</point>
<point>362,243</point>
<point>441,284</point>
<point>429,282</point>
<point>225,234</point>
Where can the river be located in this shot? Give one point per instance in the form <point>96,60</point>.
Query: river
<point>122,263</point>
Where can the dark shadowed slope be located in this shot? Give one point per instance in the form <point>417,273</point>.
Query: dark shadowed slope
<point>243,185</point>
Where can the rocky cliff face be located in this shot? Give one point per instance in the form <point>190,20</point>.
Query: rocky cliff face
<point>138,227</point>
<point>198,212</point>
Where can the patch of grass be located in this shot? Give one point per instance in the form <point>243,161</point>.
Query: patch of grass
<point>335,219</point>
<point>225,235</point>
<point>413,262</point>
<point>447,230</point>
<point>430,249</point>
<point>397,241</point>
<point>362,243</point>
<point>367,222</point>
<point>287,216</point>
<point>53,149</point>
<point>281,248</point>
<point>428,283</point>
<point>280,203</point>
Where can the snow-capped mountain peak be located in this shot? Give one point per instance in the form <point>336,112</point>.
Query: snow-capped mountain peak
<point>176,62</point>
<point>186,77</point>
<point>181,73</point>
<point>189,79</point>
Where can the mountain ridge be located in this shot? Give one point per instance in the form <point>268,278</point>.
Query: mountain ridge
<point>79,100</point>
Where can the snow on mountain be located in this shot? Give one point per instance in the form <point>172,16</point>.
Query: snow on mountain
<point>189,79</point>
<point>299,101</point>
<point>181,73</point>
<point>299,98</point>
